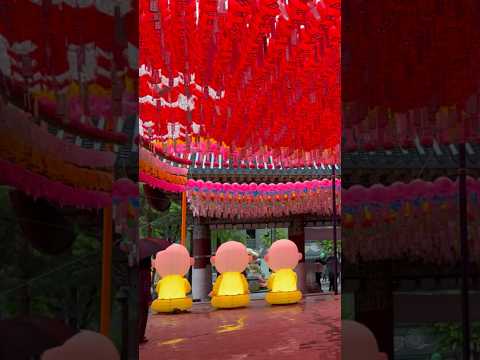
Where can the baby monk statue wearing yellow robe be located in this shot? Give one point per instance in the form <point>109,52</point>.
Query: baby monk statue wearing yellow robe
<point>172,264</point>
<point>282,258</point>
<point>231,288</point>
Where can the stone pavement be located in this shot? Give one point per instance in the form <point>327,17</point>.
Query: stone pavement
<point>309,330</point>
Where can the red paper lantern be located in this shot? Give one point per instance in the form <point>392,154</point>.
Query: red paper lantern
<point>241,67</point>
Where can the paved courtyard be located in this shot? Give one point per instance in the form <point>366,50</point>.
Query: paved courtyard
<point>307,331</point>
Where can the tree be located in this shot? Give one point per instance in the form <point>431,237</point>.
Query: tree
<point>274,234</point>
<point>64,286</point>
<point>160,224</point>
<point>327,247</point>
<point>220,236</point>
<point>450,338</point>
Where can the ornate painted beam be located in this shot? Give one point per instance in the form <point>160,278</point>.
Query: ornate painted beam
<point>262,175</point>
<point>434,157</point>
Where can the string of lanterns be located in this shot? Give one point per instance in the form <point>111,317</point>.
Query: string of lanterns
<point>77,85</point>
<point>39,186</point>
<point>230,94</point>
<point>17,124</point>
<point>160,183</point>
<point>208,152</point>
<point>223,200</point>
<point>161,175</point>
<point>387,129</point>
<point>408,93</point>
<point>82,52</point>
<point>420,219</point>
<point>52,166</point>
<point>150,160</point>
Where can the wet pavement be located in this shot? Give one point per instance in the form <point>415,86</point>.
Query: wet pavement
<point>309,330</point>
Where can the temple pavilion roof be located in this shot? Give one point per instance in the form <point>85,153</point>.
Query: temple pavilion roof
<point>432,157</point>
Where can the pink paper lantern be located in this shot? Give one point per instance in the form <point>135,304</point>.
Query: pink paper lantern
<point>378,194</point>
<point>417,189</point>
<point>358,195</point>
<point>124,188</point>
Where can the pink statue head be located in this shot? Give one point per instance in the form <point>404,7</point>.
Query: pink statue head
<point>84,345</point>
<point>359,343</point>
<point>174,260</point>
<point>231,256</point>
<point>283,254</point>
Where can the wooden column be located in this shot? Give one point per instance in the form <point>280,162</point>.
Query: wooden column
<point>202,270</point>
<point>133,312</point>
<point>334,223</point>
<point>465,254</point>
<point>107,244</point>
<point>106,292</point>
<point>296,233</point>
<point>183,229</point>
<point>374,303</point>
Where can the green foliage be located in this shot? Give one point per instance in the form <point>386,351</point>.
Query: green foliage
<point>164,225</point>
<point>450,337</point>
<point>85,245</point>
<point>348,306</point>
<point>220,236</point>
<point>270,236</point>
<point>65,286</point>
<point>327,246</point>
